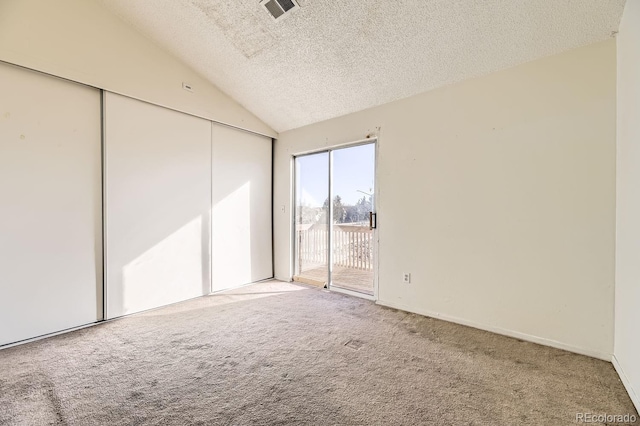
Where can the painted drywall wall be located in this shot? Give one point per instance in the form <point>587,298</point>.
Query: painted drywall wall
<point>50,205</point>
<point>497,194</point>
<point>627,288</point>
<point>82,41</point>
<point>241,208</point>
<point>157,204</point>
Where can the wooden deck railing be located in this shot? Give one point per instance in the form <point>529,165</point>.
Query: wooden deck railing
<point>352,247</point>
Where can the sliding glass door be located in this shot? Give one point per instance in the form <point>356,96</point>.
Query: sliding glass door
<point>312,219</point>
<point>335,219</point>
<point>352,233</point>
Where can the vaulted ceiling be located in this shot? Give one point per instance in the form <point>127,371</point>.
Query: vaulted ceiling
<point>330,58</point>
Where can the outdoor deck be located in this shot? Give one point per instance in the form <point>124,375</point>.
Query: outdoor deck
<point>352,257</point>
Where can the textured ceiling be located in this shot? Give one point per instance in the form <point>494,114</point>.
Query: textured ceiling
<point>330,58</point>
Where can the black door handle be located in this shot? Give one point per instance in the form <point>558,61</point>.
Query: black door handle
<point>373,220</point>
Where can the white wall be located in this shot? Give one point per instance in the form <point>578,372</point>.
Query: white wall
<point>241,212</point>
<point>497,195</point>
<point>627,294</point>
<point>158,201</point>
<point>50,214</point>
<point>82,41</point>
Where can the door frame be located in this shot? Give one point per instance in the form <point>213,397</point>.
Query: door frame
<point>376,202</point>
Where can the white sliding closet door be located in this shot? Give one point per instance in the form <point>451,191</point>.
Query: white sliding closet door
<point>50,205</point>
<point>241,215</point>
<point>158,201</point>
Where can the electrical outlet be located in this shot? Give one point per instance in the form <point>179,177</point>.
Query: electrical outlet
<point>406,277</point>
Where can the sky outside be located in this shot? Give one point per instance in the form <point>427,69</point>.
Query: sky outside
<point>353,170</point>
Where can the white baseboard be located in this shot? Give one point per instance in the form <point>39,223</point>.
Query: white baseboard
<point>286,280</point>
<point>635,398</point>
<point>46,336</point>
<point>510,333</point>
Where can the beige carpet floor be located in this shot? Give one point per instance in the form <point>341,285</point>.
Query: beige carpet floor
<point>277,353</point>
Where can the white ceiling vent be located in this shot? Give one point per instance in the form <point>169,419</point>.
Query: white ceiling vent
<point>279,8</point>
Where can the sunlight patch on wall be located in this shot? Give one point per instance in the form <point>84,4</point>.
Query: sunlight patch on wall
<point>168,272</point>
<point>232,239</point>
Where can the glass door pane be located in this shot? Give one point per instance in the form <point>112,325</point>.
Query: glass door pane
<point>352,239</point>
<point>312,219</point>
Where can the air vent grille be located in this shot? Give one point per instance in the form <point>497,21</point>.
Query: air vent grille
<point>286,5</point>
<point>274,9</point>
<point>279,8</point>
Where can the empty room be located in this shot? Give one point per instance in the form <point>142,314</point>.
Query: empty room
<point>422,212</point>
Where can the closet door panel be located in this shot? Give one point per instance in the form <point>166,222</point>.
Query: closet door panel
<point>50,205</point>
<point>158,185</point>
<point>241,214</point>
